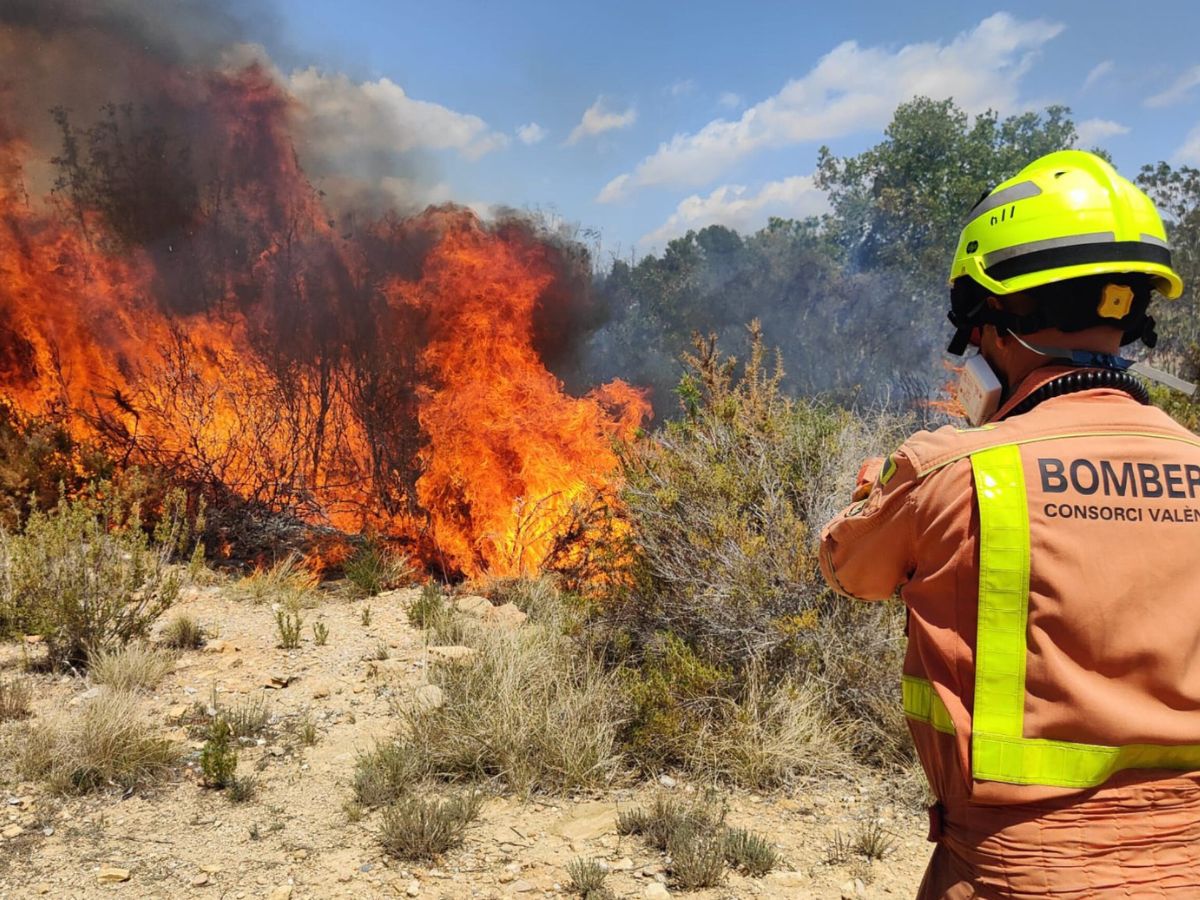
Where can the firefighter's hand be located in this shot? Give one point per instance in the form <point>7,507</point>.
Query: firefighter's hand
<point>868,474</point>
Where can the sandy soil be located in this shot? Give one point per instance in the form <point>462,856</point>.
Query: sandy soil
<point>294,840</point>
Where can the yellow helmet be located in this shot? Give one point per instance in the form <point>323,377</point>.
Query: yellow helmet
<point>1065,215</point>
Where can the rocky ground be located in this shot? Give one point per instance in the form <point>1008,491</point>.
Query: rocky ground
<point>294,839</point>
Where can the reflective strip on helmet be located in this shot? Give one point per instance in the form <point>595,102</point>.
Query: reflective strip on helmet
<point>1077,255</point>
<point>996,199</point>
<point>1058,243</point>
<point>999,749</point>
<point>1151,239</point>
<point>922,703</point>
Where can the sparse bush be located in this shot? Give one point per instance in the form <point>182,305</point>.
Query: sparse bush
<point>416,829</point>
<point>374,568</point>
<point>288,623</point>
<point>16,697</point>
<point>134,667</point>
<point>697,857</point>
<point>429,607</point>
<point>289,583</point>
<point>382,651</point>
<point>587,879</point>
<point>873,841</point>
<point>383,774</point>
<point>218,757</point>
<point>183,633</point>
<point>669,814</point>
<point>749,852</point>
<point>306,731</point>
<point>87,576</point>
<point>320,633</point>
<point>365,616</point>
<point>241,788</point>
<point>104,745</point>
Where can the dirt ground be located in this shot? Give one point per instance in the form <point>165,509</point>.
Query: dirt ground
<point>294,838</point>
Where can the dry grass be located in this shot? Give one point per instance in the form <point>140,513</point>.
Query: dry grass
<point>288,583</point>
<point>135,667</point>
<point>768,737</point>
<point>528,708</point>
<point>183,633</point>
<point>104,745</point>
<point>16,696</point>
<point>414,828</point>
<point>587,879</point>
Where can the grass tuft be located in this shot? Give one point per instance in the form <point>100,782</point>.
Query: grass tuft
<point>16,698</point>
<point>416,829</point>
<point>374,568</point>
<point>587,879</point>
<point>183,633</point>
<point>134,667</point>
<point>104,745</point>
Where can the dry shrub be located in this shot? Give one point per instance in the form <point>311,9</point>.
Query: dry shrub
<point>106,744</point>
<point>87,576</point>
<point>183,633</point>
<point>587,879</point>
<point>429,607</point>
<point>135,667</point>
<point>414,829</point>
<point>16,698</point>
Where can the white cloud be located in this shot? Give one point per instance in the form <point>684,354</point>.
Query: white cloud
<point>531,133</point>
<point>1098,71</point>
<point>851,89</point>
<point>1091,131</point>
<point>1189,153</point>
<point>729,100</point>
<point>682,87</point>
<point>597,120</point>
<point>377,117</point>
<point>733,206</point>
<point>1178,91</point>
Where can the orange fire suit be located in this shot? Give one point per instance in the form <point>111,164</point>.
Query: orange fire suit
<point>1050,566</point>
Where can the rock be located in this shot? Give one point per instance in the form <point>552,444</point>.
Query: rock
<point>278,680</point>
<point>176,712</point>
<point>217,646</point>
<point>283,892</point>
<point>451,653</point>
<point>588,821</point>
<point>506,616</point>
<point>428,696</point>
<point>414,888</point>
<point>42,888</point>
<point>788,879</point>
<point>112,875</point>
<point>320,690</point>
<point>622,865</point>
<point>667,781</point>
<point>655,891</point>
<point>200,880</point>
<point>523,887</point>
<point>852,889</point>
<point>34,638</point>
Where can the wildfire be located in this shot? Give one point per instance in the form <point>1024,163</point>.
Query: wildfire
<point>220,328</point>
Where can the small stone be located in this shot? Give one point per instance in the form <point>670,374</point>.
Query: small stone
<point>506,616</point>
<point>283,892</point>
<point>112,875</point>
<point>667,781</point>
<point>300,855</point>
<point>523,887</point>
<point>507,877</point>
<point>479,607</point>
<point>278,680</point>
<point>847,889</point>
<point>622,865</point>
<point>200,880</point>
<point>655,890</point>
<point>278,751</point>
<point>414,888</point>
<point>176,712</point>
<point>788,879</point>
<point>34,638</point>
<point>41,888</point>
<point>12,831</point>
<point>320,690</point>
<point>428,696</point>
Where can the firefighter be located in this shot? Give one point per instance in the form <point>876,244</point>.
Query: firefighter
<point>1049,560</point>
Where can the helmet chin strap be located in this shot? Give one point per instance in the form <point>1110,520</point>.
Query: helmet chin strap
<point>1093,359</point>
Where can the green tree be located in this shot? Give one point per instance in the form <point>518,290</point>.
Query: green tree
<point>900,204</point>
<point>1176,193</point>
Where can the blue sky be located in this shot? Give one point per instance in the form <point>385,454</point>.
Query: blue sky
<point>643,119</point>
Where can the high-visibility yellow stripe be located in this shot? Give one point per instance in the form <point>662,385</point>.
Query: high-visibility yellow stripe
<point>922,703</point>
<point>1003,591</point>
<point>999,749</point>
